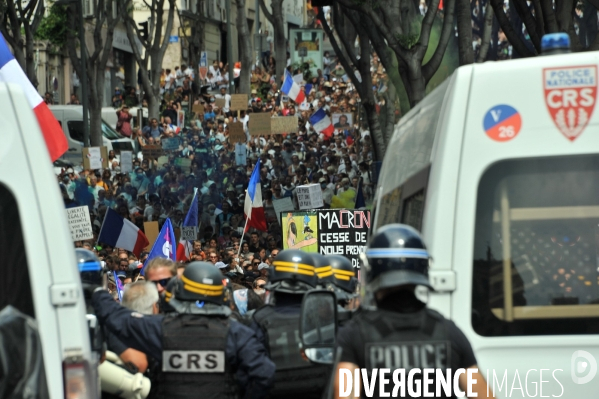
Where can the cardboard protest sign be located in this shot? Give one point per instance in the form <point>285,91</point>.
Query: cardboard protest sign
<point>162,161</point>
<point>198,109</point>
<point>283,124</point>
<point>236,133</point>
<point>327,231</point>
<point>189,233</point>
<point>309,196</point>
<point>126,161</point>
<point>151,231</point>
<point>284,204</point>
<point>219,102</point>
<point>259,124</point>
<point>239,102</point>
<point>79,223</point>
<point>170,144</point>
<point>95,158</point>
<point>152,151</point>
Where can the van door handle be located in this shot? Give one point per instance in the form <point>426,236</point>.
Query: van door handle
<point>72,149</point>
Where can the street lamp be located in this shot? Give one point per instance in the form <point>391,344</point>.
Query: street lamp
<point>83,78</point>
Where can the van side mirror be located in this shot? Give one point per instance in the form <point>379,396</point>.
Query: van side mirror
<point>318,326</point>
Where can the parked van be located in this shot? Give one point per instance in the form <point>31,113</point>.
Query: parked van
<point>70,118</point>
<point>39,274</point>
<point>499,169</point>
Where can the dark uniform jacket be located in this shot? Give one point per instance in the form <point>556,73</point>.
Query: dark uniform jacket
<point>244,353</point>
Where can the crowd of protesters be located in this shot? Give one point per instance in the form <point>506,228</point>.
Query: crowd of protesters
<point>157,188</point>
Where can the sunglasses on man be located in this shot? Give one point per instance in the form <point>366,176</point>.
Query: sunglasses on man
<point>163,282</point>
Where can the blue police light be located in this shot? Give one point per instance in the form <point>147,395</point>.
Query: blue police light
<point>555,41</point>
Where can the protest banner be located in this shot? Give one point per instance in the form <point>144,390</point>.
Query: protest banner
<point>307,48</point>
<point>281,205</point>
<point>236,133</point>
<point>309,196</point>
<point>283,124</point>
<point>151,231</point>
<point>95,158</point>
<point>219,102</point>
<point>126,161</point>
<point>327,231</point>
<point>170,144</point>
<point>163,160</point>
<point>152,151</point>
<point>259,124</point>
<point>239,102</point>
<point>181,119</point>
<point>203,66</point>
<point>79,223</point>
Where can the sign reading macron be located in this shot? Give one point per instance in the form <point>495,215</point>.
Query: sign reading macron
<point>79,223</point>
<point>327,231</point>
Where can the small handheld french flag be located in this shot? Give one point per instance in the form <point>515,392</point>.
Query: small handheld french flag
<point>322,123</point>
<point>292,89</point>
<point>119,286</point>
<point>253,207</point>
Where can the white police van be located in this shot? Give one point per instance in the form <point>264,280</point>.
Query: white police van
<point>499,169</point>
<point>37,261</point>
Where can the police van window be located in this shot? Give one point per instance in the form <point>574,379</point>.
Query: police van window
<point>15,287</point>
<point>409,153</point>
<point>76,130</point>
<point>536,248</point>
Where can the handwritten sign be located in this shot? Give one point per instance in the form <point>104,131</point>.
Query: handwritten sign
<point>183,163</point>
<point>283,124</point>
<point>198,109</point>
<point>219,102</point>
<point>126,162</point>
<point>170,144</point>
<point>239,102</point>
<point>151,230</point>
<point>152,151</point>
<point>309,196</point>
<point>79,223</point>
<point>95,157</point>
<point>236,133</point>
<point>259,124</point>
<point>189,233</point>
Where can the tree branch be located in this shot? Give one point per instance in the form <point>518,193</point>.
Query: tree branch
<point>549,16</point>
<point>429,69</point>
<point>524,12</point>
<point>266,13</point>
<point>509,31</point>
<point>425,29</point>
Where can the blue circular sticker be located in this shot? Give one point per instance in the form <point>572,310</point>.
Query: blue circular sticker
<point>502,123</point>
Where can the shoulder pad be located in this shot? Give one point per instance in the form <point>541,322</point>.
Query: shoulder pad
<point>434,314</point>
<point>263,313</point>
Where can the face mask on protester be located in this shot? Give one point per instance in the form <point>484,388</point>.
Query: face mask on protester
<point>259,291</point>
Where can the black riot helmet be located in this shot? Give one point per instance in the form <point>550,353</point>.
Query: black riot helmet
<point>344,276</point>
<point>396,256</point>
<point>293,272</point>
<point>323,269</point>
<point>201,281</point>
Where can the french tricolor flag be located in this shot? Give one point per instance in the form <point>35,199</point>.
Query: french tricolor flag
<point>121,233</point>
<point>321,122</point>
<point>185,247</point>
<point>292,89</point>
<point>253,209</point>
<point>11,72</point>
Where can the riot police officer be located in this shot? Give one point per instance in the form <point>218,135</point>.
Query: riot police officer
<point>401,333</point>
<point>343,282</point>
<point>202,351</point>
<point>292,275</point>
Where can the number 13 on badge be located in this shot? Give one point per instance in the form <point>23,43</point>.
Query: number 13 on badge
<point>502,123</point>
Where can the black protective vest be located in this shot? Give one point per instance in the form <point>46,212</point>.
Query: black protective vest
<point>295,377</point>
<point>404,341</point>
<point>193,358</point>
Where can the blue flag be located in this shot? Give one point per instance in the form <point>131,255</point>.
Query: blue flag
<point>164,246</point>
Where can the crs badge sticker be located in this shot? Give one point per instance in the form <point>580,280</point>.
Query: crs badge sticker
<point>570,95</point>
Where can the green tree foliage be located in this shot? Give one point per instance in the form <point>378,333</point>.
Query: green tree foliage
<point>54,26</point>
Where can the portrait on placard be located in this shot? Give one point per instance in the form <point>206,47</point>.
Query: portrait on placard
<point>342,120</point>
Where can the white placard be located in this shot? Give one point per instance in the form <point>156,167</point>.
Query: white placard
<point>79,223</point>
<point>240,154</point>
<point>95,157</point>
<point>126,161</point>
<point>305,106</point>
<point>282,205</point>
<point>189,233</point>
<point>299,78</point>
<point>309,196</point>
